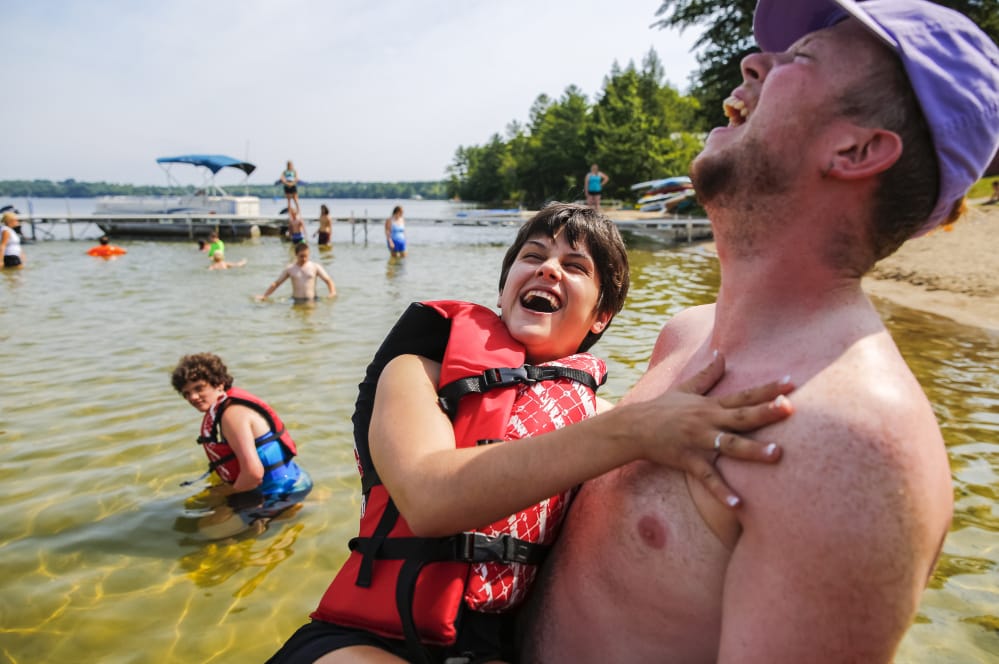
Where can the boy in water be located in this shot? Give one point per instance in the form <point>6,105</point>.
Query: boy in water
<point>248,448</point>
<point>220,263</point>
<point>428,580</point>
<point>303,274</point>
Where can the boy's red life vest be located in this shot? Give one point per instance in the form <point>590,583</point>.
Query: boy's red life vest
<point>405,587</point>
<point>221,457</point>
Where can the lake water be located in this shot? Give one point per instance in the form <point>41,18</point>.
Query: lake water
<point>98,557</point>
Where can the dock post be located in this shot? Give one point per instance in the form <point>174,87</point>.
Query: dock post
<point>365,228</point>
<point>353,228</point>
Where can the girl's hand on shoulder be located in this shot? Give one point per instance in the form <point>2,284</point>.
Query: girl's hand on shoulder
<point>685,430</point>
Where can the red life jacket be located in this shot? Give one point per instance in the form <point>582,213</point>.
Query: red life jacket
<point>221,458</point>
<point>405,587</point>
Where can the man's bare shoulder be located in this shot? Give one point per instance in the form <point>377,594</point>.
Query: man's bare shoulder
<point>687,328</point>
<point>852,518</point>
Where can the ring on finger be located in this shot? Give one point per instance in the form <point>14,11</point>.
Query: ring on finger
<point>718,441</point>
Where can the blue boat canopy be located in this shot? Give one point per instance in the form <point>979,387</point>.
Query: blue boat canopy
<point>213,162</point>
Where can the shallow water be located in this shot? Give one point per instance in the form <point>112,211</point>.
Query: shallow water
<point>99,562</point>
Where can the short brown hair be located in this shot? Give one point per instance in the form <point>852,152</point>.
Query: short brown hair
<point>581,223</point>
<point>201,366</point>
<point>907,191</point>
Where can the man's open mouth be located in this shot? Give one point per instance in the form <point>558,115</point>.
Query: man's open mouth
<point>735,110</point>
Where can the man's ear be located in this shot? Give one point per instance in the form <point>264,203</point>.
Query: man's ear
<point>864,152</point>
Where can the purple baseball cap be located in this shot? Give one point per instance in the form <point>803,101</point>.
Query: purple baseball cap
<point>952,65</point>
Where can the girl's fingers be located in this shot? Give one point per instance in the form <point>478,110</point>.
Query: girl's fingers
<point>707,377</point>
<point>748,418</point>
<point>746,449</point>
<point>708,475</point>
<point>758,394</point>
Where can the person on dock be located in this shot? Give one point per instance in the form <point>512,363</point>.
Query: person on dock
<point>105,249</point>
<point>296,227</point>
<point>430,423</point>
<point>594,182</point>
<point>10,241</point>
<point>303,274</point>
<point>395,233</point>
<point>289,180</point>
<point>248,447</point>
<point>325,231</point>
<point>220,263</point>
<point>860,125</point>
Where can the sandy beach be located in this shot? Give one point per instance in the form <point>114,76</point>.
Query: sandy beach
<point>952,273</point>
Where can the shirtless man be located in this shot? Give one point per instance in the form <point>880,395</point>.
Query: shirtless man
<point>826,167</point>
<point>296,227</point>
<point>303,274</point>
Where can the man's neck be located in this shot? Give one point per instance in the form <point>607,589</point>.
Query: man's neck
<point>779,286</point>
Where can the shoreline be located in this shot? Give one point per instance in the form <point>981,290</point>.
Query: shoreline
<point>951,273</point>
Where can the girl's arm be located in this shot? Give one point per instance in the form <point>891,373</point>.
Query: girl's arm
<point>442,490</point>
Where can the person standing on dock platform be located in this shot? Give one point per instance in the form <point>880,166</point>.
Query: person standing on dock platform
<point>594,182</point>
<point>289,178</point>
<point>395,233</point>
<point>10,242</point>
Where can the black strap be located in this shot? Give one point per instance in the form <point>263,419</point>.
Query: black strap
<point>270,437</point>
<point>450,394</point>
<point>464,547</point>
<point>370,547</point>
<point>405,593</point>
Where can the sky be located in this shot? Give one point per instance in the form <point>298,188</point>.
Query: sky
<point>350,90</point>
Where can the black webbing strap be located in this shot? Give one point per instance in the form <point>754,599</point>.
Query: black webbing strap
<point>450,394</point>
<point>405,593</point>
<point>370,547</point>
<point>465,547</point>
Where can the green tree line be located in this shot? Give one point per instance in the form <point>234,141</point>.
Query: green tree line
<point>639,128</point>
<point>73,189</point>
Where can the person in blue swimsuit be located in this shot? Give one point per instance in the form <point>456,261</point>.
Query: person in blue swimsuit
<point>395,233</point>
<point>594,182</point>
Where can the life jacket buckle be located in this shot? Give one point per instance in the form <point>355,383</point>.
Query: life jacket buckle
<point>505,377</point>
<point>482,548</point>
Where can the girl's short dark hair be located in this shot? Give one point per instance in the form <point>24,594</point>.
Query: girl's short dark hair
<point>581,223</point>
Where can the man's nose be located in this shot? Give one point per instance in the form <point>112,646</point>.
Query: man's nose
<point>756,66</point>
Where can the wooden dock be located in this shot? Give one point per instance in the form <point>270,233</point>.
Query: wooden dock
<point>635,226</point>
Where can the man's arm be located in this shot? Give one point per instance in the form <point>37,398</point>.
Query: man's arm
<point>274,286</point>
<point>838,540</point>
<point>321,273</point>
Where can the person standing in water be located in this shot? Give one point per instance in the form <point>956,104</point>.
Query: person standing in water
<point>857,126</point>
<point>303,274</point>
<point>325,232</point>
<point>10,242</point>
<point>395,233</point>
